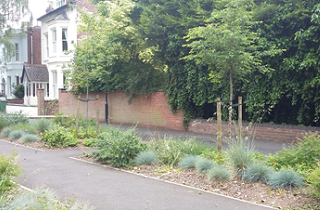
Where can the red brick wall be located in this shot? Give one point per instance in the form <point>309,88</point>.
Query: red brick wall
<point>154,111</point>
<point>68,105</point>
<point>269,132</point>
<point>15,101</point>
<point>36,42</point>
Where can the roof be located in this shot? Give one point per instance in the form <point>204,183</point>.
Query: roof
<point>57,12</point>
<point>35,73</point>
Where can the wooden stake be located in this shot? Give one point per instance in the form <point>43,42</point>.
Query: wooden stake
<point>219,133</point>
<point>240,117</point>
<point>97,123</point>
<point>77,117</point>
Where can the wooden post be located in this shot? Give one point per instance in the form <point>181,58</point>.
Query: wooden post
<point>219,133</point>
<point>77,117</point>
<point>97,125</point>
<point>240,117</point>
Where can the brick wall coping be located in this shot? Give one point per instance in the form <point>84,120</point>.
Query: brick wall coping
<point>296,127</point>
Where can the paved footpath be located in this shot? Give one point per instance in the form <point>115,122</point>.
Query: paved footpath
<point>109,189</point>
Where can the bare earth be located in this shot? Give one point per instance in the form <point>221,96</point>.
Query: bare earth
<point>253,192</point>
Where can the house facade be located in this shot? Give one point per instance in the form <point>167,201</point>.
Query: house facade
<point>58,39</point>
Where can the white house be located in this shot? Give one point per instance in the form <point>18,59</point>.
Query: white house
<point>58,39</point>
<point>11,67</point>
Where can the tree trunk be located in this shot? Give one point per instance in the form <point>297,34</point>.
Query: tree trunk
<point>231,96</point>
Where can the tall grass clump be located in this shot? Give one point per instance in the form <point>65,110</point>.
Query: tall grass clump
<point>188,162</point>
<point>6,132</point>
<point>203,165</point>
<point>26,127</point>
<point>29,138</point>
<point>240,155</point>
<point>16,134</point>
<point>314,181</point>
<point>146,158</point>
<point>256,172</point>
<point>42,125</point>
<point>285,178</point>
<point>8,119</point>
<point>219,173</point>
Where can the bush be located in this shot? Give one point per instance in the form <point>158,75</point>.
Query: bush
<point>18,91</point>
<point>203,165</point>
<point>58,137</point>
<point>146,158</point>
<point>240,155</point>
<point>26,127</point>
<point>7,119</point>
<point>314,181</point>
<point>302,156</point>
<point>285,178</point>
<point>219,173</point>
<point>29,138</point>
<point>211,153</point>
<point>6,132</point>
<point>90,142</point>
<point>42,125</point>
<point>16,134</point>
<point>256,172</point>
<point>188,162</point>
<point>119,148</point>
<point>9,170</point>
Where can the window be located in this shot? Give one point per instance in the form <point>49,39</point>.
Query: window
<point>17,52</point>
<point>17,80</point>
<point>54,83</point>
<point>3,55</point>
<point>47,45</point>
<point>9,86</point>
<point>64,40</point>
<point>60,3</point>
<point>54,41</point>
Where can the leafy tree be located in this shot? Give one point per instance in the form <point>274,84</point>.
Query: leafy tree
<point>11,12</point>
<point>227,44</point>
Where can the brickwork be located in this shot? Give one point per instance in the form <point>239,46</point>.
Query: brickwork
<point>154,111</point>
<point>68,105</point>
<point>15,101</point>
<point>36,43</point>
<point>40,97</point>
<point>269,132</point>
<point>51,107</point>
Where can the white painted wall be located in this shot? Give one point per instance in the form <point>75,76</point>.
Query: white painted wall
<point>29,111</point>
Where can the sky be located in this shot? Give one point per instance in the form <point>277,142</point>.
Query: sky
<point>37,8</point>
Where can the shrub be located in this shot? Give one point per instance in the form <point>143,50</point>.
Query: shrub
<point>240,155</point>
<point>188,162</point>
<point>256,172</point>
<point>203,165</point>
<point>26,127</point>
<point>6,132</point>
<point>219,173</point>
<point>9,170</point>
<point>314,181</point>
<point>29,138</point>
<point>58,137</point>
<point>212,154</point>
<point>7,119</point>
<point>18,91</point>
<point>42,125</point>
<point>285,178</point>
<point>302,156</point>
<point>16,134</point>
<point>146,158</point>
<point>90,142</point>
<point>119,148</point>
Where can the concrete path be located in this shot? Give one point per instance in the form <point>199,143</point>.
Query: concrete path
<point>109,189</point>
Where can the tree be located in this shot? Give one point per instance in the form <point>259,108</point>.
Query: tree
<point>227,44</point>
<point>11,12</point>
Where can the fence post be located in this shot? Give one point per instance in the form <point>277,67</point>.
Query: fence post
<point>240,117</point>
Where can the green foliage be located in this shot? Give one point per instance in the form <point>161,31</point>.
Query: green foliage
<point>302,156</point>
<point>188,162</point>
<point>16,134</point>
<point>26,127</point>
<point>7,119</point>
<point>42,125</point>
<point>90,142</point>
<point>256,172</point>
<point>6,132</point>
<point>58,137</point>
<point>146,158</point>
<point>219,173</point>
<point>29,138</point>
<point>64,120</point>
<point>240,155</point>
<point>9,170</point>
<point>211,153</point>
<point>313,179</point>
<point>203,165</point>
<point>119,148</point>
<point>18,91</point>
<point>285,179</point>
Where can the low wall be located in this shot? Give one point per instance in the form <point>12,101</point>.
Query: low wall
<point>26,110</point>
<point>51,107</point>
<point>269,132</point>
<point>152,111</point>
<point>15,101</point>
<point>68,104</point>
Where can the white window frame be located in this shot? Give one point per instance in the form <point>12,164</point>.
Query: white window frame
<point>54,41</point>
<point>60,3</point>
<point>46,45</point>
<point>17,51</point>
<point>54,83</point>
<point>64,40</point>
